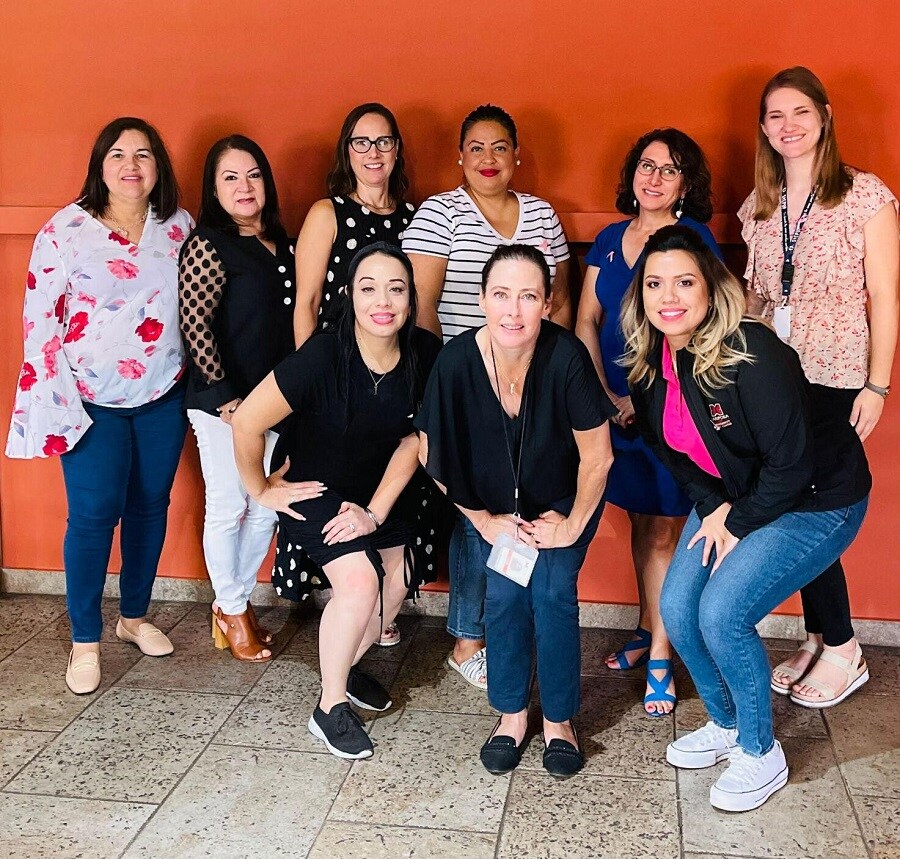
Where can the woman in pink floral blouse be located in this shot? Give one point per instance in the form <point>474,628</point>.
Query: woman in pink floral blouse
<point>100,384</point>
<point>823,243</point>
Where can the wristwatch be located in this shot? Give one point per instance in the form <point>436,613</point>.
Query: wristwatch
<point>876,389</point>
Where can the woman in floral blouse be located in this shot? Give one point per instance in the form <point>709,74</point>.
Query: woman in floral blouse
<point>99,385</point>
<point>822,240</point>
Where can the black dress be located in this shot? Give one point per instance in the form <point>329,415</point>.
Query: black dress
<point>236,302</point>
<point>357,227</point>
<point>345,441</point>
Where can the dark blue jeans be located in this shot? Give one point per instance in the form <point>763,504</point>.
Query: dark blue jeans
<point>121,470</point>
<point>542,616</point>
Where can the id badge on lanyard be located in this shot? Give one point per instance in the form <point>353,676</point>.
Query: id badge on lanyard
<point>782,317</point>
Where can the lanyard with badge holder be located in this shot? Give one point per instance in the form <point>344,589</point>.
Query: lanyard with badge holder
<point>510,556</point>
<point>782,318</point>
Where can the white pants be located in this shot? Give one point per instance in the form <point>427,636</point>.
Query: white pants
<point>237,532</point>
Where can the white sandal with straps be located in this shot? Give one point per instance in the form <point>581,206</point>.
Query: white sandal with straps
<point>857,674</point>
<point>473,669</point>
<point>792,673</point>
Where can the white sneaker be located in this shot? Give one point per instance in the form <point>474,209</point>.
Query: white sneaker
<point>749,782</point>
<point>704,747</point>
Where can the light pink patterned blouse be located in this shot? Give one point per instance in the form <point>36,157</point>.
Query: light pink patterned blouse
<point>100,324</point>
<point>829,327</point>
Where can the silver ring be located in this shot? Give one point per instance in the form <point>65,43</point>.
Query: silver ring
<point>352,527</point>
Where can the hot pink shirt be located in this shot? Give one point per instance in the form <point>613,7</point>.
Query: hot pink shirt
<point>679,430</point>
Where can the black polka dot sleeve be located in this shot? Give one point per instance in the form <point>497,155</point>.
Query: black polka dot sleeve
<point>201,279</point>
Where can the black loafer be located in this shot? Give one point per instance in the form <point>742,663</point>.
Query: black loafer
<point>562,759</point>
<point>500,754</point>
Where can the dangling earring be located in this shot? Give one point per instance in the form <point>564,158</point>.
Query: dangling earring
<point>459,162</point>
<point>679,209</point>
<point>635,204</point>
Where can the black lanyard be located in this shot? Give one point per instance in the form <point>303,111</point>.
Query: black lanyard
<point>788,242</point>
<point>516,468</point>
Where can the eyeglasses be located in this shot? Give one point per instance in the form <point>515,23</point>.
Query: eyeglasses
<point>668,172</point>
<point>364,144</point>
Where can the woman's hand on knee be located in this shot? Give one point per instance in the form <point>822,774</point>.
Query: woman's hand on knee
<point>712,529</point>
<point>351,522</point>
<point>279,493</point>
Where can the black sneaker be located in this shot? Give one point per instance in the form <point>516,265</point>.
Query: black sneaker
<point>366,692</point>
<point>342,732</point>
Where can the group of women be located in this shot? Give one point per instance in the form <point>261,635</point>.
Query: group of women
<point>343,387</point>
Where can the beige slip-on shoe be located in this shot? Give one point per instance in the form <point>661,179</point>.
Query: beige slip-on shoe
<point>150,640</point>
<point>83,673</point>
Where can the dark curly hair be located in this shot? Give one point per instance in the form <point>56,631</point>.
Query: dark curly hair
<point>687,156</point>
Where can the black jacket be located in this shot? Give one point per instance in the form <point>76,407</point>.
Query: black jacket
<point>760,435</point>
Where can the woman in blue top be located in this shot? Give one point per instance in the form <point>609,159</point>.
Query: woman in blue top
<point>665,180</point>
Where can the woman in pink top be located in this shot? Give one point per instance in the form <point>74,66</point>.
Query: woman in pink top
<point>822,241</point>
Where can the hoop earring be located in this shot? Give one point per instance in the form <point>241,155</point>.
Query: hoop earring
<point>679,209</point>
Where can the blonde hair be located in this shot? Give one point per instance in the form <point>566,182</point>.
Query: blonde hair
<point>717,343</point>
<point>831,178</point>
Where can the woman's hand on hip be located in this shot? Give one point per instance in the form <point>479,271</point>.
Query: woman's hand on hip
<point>351,522</point>
<point>279,493</point>
<point>867,409</point>
<point>552,530</point>
<point>491,527</point>
<point>712,529</point>
<point>226,410</point>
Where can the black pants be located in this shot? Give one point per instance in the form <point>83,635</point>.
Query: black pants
<point>826,603</point>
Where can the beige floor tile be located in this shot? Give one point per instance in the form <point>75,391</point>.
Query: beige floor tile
<point>161,614</point>
<point>50,827</point>
<point>25,615</point>
<point>17,748</point>
<point>212,812</point>
<point>811,817</point>
<point>790,720</point>
<point>880,819</point>
<point>390,842</point>
<point>617,736</point>
<point>426,682</point>
<point>33,692</point>
<point>865,730</point>
<point>131,745</point>
<point>195,666</point>
<point>588,817</point>
<point>425,772</point>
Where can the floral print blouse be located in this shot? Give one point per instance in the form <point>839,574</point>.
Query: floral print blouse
<point>100,325</point>
<point>829,325</point>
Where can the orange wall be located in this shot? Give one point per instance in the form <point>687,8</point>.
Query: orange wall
<point>583,79</point>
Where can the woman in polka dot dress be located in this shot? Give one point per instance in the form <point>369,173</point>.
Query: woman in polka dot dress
<point>236,297</point>
<point>367,186</point>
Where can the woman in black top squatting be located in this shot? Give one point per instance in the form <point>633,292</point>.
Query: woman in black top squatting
<point>353,391</point>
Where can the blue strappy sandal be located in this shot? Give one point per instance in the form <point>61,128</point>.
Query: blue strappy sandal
<point>658,693</point>
<point>642,642</point>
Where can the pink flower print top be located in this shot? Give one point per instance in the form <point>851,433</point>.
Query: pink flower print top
<point>100,325</point>
<point>679,430</point>
<point>829,326</point>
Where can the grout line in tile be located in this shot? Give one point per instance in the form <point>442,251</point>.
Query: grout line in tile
<point>364,823</point>
<point>74,796</point>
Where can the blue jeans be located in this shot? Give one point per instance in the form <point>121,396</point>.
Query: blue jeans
<point>465,614</point>
<point>541,617</point>
<point>711,620</point>
<point>121,470</point>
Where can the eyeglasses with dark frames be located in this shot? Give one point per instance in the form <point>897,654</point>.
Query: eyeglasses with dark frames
<point>667,172</point>
<point>364,144</point>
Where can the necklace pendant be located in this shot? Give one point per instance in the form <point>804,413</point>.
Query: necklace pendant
<point>512,387</point>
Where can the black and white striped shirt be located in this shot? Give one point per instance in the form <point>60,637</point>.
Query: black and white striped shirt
<point>451,225</point>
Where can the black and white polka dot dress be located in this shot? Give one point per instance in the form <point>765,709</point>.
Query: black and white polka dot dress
<point>357,227</point>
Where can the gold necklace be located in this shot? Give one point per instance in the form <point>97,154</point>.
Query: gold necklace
<point>388,208</point>
<point>514,382</point>
<point>121,228</point>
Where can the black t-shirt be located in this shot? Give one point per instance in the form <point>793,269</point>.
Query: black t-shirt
<point>468,433</point>
<point>346,442</point>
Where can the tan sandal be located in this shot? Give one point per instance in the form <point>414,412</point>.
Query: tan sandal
<point>857,674</point>
<point>238,636</point>
<point>793,673</point>
<point>262,633</point>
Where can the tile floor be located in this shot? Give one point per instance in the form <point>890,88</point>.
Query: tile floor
<point>197,755</point>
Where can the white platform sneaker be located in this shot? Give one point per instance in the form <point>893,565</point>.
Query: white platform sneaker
<point>704,747</point>
<point>749,781</point>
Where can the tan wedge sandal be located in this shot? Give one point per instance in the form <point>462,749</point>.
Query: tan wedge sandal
<point>857,674</point>
<point>794,675</point>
